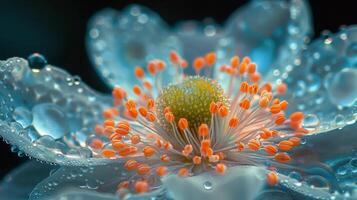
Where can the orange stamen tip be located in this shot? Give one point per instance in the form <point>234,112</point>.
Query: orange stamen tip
<point>252,68</point>
<point>150,104</point>
<point>183,172</point>
<point>139,72</point>
<point>174,57</point>
<point>151,117</point>
<point>141,187</point>
<point>213,107</point>
<point>164,158</point>
<point>285,145</point>
<point>183,123</point>
<point>143,111</point>
<point>271,150</point>
<point>109,122</point>
<point>240,146</point>
<point>221,168</point>
<point>275,108</point>
<point>282,157</point>
<point>254,145</point>
<point>297,116</point>
<point>244,87</point>
<point>284,105</point>
<point>235,61</point>
<point>255,77</point>
<point>198,63</point>
<point>272,178</point>
<point>137,90</point>
<point>108,153</point>
<point>161,171</point>
<point>135,139</point>
<point>188,148</point>
<point>280,120</point>
<point>123,185</point>
<point>210,58</point>
<point>151,67</point>
<point>148,151</point>
<point>143,169</point>
<point>295,140</point>
<point>131,165</point>
<point>245,104</point>
<point>196,160</point>
<point>169,117</point>
<point>233,122</point>
<point>265,134</point>
<point>203,130</point>
<point>263,102</point>
<point>118,93</point>
<point>97,144</point>
<point>223,111</point>
<point>281,88</point>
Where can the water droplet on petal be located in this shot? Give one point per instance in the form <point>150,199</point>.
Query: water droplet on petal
<point>207,185</point>
<point>343,87</point>
<point>22,116</point>
<point>37,60</point>
<point>318,182</point>
<point>48,119</point>
<point>311,121</point>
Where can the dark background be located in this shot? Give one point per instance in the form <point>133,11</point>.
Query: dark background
<point>57,28</point>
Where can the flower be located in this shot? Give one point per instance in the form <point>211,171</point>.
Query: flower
<point>50,115</point>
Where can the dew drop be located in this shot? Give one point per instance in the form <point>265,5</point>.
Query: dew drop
<point>48,119</point>
<point>339,120</point>
<point>22,116</point>
<point>37,60</point>
<point>295,175</point>
<point>300,88</point>
<point>317,182</point>
<point>311,121</point>
<point>207,185</point>
<point>343,88</point>
<point>353,162</point>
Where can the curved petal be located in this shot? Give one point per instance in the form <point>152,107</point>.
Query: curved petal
<point>48,114</point>
<point>83,195</point>
<point>323,83</point>
<point>19,183</point>
<point>270,32</point>
<point>117,42</point>
<point>94,179</point>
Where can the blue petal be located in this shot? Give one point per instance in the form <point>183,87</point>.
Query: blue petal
<point>271,32</point>
<point>19,183</point>
<point>117,42</point>
<point>323,83</point>
<point>47,113</point>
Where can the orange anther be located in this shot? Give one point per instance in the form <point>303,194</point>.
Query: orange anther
<point>150,104</point>
<point>139,72</point>
<point>245,104</point>
<point>147,85</point>
<point>210,58</point>
<point>221,155</point>
<point>263,102</point>
<point>123,185</point>
<point>141,187</point>
<point>255,77</point>
<point>203,130</point>
<point>222,68</point>
<point>97,144</point>
<point>174,57</point>
<point>117,145</point>
<point>213,158</point>
<point>164,158</point>
<point>135,139</point>
<point>169,117</point>
<point>254,145</point>
<point>198,63</point>
<point>143,169</point>
<point>282,157</point>
<point>99,129</point>
<point>108,153</point>
<point>235,61</point>
<point>295,140</point>
<point>161,65</point>
<point>267,87</point>
<point>223,111</point>
<point>242,68</point>
<point>285,145</point>
<point>297,116</point>
<point>148,151</point>
<point>265,134</point>
<point>109,122</point>
<point>233,122</point>
<point>188,148</point>
<point>161,171</point>
<point>118,93</point>
<point>240,146</point>
<point>184,64</point>
<point>271,150</point>
<point>167,109</point>
<point>244,87</point>
<point>221,168</point>
<point>213,108</point>
<point>183,123</point>
<point>295,125</point>
<point>281,88</point>
<point>246,60</point>
<point>276,101</point>
<point>196,160</point>
<point>151,68</point>
<point>284,105</point>
<point>252,68</point>
<point>280,119</point>
<point>108,114</point>
<point>131,165</point>
<point>183,172</point>
<point>109,130</point>
<point>167,145</point>
<point>151,117</point>
<point>272,178</point>
<point>137,90</point>
<point>253,89</point>
<point>275,108</point>
<point>143,111</point>
<point>130,104</point>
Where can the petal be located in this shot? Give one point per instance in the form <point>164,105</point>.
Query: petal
<point>19,183</point>
<point>48,114</point>
<point>323,83</point>
<point>268,31</point>
<point>72,179</point>
<point>83,195</point>
<point>117,42</point>
<point>241,182</point>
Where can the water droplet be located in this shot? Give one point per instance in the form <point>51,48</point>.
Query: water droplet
<point>22,116</point>
<point>207,185</point>
<point>37,60</point>
<point>295,175</point>
<point>343,88</point>
<point>300,88</point>
<point>353,162</point>
<point>342,170</point>
<point>313,82</point>
<point>311,121</point>
<point>317,182</point>
<point>48,119</point>
<point>339,120</point>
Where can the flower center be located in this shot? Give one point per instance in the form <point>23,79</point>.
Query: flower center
<point>189,99</point>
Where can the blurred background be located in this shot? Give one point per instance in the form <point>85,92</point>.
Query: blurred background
<point>57,29</point>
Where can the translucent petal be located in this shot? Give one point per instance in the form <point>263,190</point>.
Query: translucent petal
<point>117,42</point>
<point>323,83</point>
<point>47,113</point>
<point>18,184</point>
<point>270,32</point>
<point>83,195</point>
<point>93,179</point>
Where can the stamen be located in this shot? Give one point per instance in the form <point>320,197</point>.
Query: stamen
<point>141,187</point>
<point>272,178</point>
<point>221,168</point>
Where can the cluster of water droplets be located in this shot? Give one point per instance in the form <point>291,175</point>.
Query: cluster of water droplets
<point>45,112</point>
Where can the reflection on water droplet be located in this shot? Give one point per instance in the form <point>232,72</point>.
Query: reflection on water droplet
<point>342,170</point>
<point>343,87</point>
<point>339,120</point>
<point>207,185</point>
<point>48,119</point>
<point>295,175</point>
<point>300,88</point>
<point>314,82</point>
<point>22,116</point>
<point>318,182</point>
<point>37,60</point>
<point>311,121</point>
